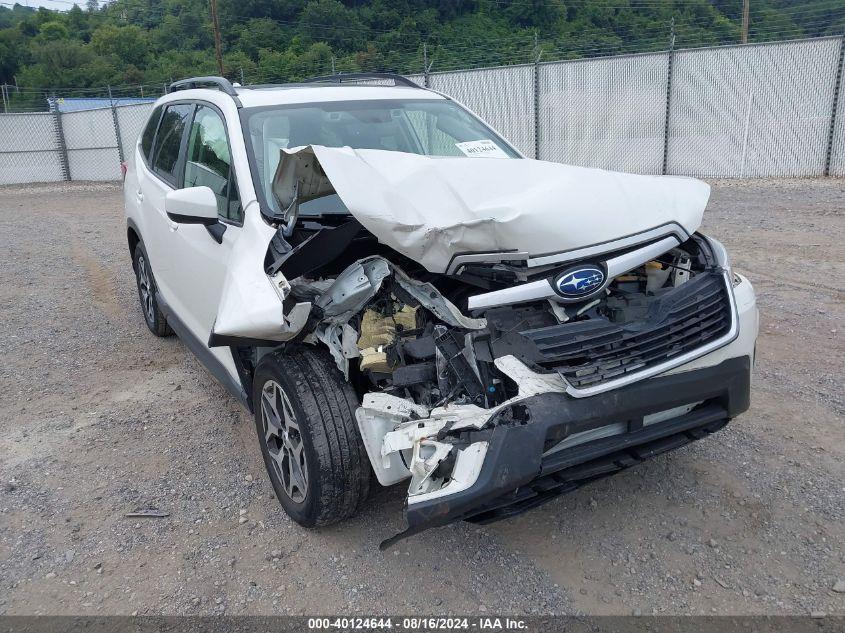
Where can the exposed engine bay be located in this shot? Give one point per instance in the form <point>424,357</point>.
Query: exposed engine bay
<point>432,372</point>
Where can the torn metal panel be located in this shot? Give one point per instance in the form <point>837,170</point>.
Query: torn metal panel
<point>353,288</point>
<point>396,431</point>
<point>428,296</point>
<point>433,209</point>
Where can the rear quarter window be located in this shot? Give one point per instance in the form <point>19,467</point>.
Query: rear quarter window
<point>149,133</point>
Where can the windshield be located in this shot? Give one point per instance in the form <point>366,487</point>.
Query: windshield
<point>426,126</point>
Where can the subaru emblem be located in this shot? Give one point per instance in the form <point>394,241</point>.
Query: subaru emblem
<point>580,282</point>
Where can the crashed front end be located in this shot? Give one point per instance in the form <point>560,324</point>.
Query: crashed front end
<point>494,381</point>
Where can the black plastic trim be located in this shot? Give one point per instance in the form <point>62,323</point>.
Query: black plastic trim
<point>223,340</point>
<point>221,83</point>
<point>216,231</point>
<point>191,219</point>
<point>341,77</point>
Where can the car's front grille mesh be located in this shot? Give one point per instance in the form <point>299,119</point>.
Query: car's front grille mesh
<point>591,352</point>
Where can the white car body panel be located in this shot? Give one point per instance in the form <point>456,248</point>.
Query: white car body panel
<point>431,209</point>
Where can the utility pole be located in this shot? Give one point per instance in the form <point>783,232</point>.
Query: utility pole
<point>745,19</point>
<point>218,47</point>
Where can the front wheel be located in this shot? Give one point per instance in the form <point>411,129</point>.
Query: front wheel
<point>305,419</point>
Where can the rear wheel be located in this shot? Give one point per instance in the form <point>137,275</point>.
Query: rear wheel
<point>305,419</point>
<point>153,315</point>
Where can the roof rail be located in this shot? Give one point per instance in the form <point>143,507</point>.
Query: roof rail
<point>341,77</point>
<point>223,84</point>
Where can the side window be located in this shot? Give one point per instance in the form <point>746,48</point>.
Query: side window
<point>149,132</point>
<point>208,162</point>
<point>169,141</point>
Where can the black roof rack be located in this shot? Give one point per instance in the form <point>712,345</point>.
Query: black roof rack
<point>341,77</point>
<point>222,84</point>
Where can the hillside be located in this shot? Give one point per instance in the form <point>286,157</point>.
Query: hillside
<point>130,44</point>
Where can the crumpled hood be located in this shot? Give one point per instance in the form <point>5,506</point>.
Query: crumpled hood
<point>431,209</point>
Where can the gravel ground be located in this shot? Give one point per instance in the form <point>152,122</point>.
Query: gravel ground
<point>100,418</point>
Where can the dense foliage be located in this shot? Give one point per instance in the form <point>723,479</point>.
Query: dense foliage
<point>151,42</point>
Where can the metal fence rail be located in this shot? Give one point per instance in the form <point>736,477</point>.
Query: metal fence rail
<point>773,109</point>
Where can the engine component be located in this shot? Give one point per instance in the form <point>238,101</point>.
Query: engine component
<point>449,344</point>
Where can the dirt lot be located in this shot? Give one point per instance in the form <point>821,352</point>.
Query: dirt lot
<point>100,418</point>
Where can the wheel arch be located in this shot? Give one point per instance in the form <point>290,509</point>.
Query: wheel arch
<point>133,236</point>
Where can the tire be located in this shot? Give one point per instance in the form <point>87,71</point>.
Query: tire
<point>317,406</point>
<point>153,316</point>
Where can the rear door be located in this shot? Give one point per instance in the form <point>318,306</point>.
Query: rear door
<point>160,175</point>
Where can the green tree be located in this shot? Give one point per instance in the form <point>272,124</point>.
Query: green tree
<point>260,33</point>
<point>127,43</point>
<point>331,22</point>
<point>53,30</point>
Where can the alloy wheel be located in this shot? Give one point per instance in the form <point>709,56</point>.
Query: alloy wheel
<point>145,288</point>
<point>284,441</point>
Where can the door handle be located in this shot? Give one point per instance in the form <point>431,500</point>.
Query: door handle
<point>140,195</point>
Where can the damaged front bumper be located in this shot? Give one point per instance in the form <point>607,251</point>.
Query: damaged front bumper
<point>546,442</point>
<point>528,461</point>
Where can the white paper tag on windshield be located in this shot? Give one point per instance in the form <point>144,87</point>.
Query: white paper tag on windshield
<point>481,149</point>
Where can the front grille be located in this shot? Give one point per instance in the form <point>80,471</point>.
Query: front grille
<point>591,352</point>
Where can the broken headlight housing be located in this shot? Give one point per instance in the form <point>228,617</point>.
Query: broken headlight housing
<point>722,258</point>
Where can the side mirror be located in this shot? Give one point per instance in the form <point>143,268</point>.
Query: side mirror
<point>194,205</point>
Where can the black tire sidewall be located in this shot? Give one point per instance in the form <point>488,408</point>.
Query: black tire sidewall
<point>305,513</point>
<point>158,326</point>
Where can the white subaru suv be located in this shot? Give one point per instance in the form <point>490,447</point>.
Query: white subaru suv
<point>396,293</point>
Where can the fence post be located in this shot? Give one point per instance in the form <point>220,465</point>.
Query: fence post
<point>426,65</point>
<point>538,53</point>
<point>671,63</point>
<point>60,137</point>
<point>837,89</point>
<point>5,100</point>
<point>116,128</point>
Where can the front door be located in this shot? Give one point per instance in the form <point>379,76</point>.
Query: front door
<point>189,260</point>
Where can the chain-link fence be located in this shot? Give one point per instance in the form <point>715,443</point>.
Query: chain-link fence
<point>78,145</point>
<point>774,109</point>
<point>29,148</point>
<point>608,113</point>
<point>770,115</point>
